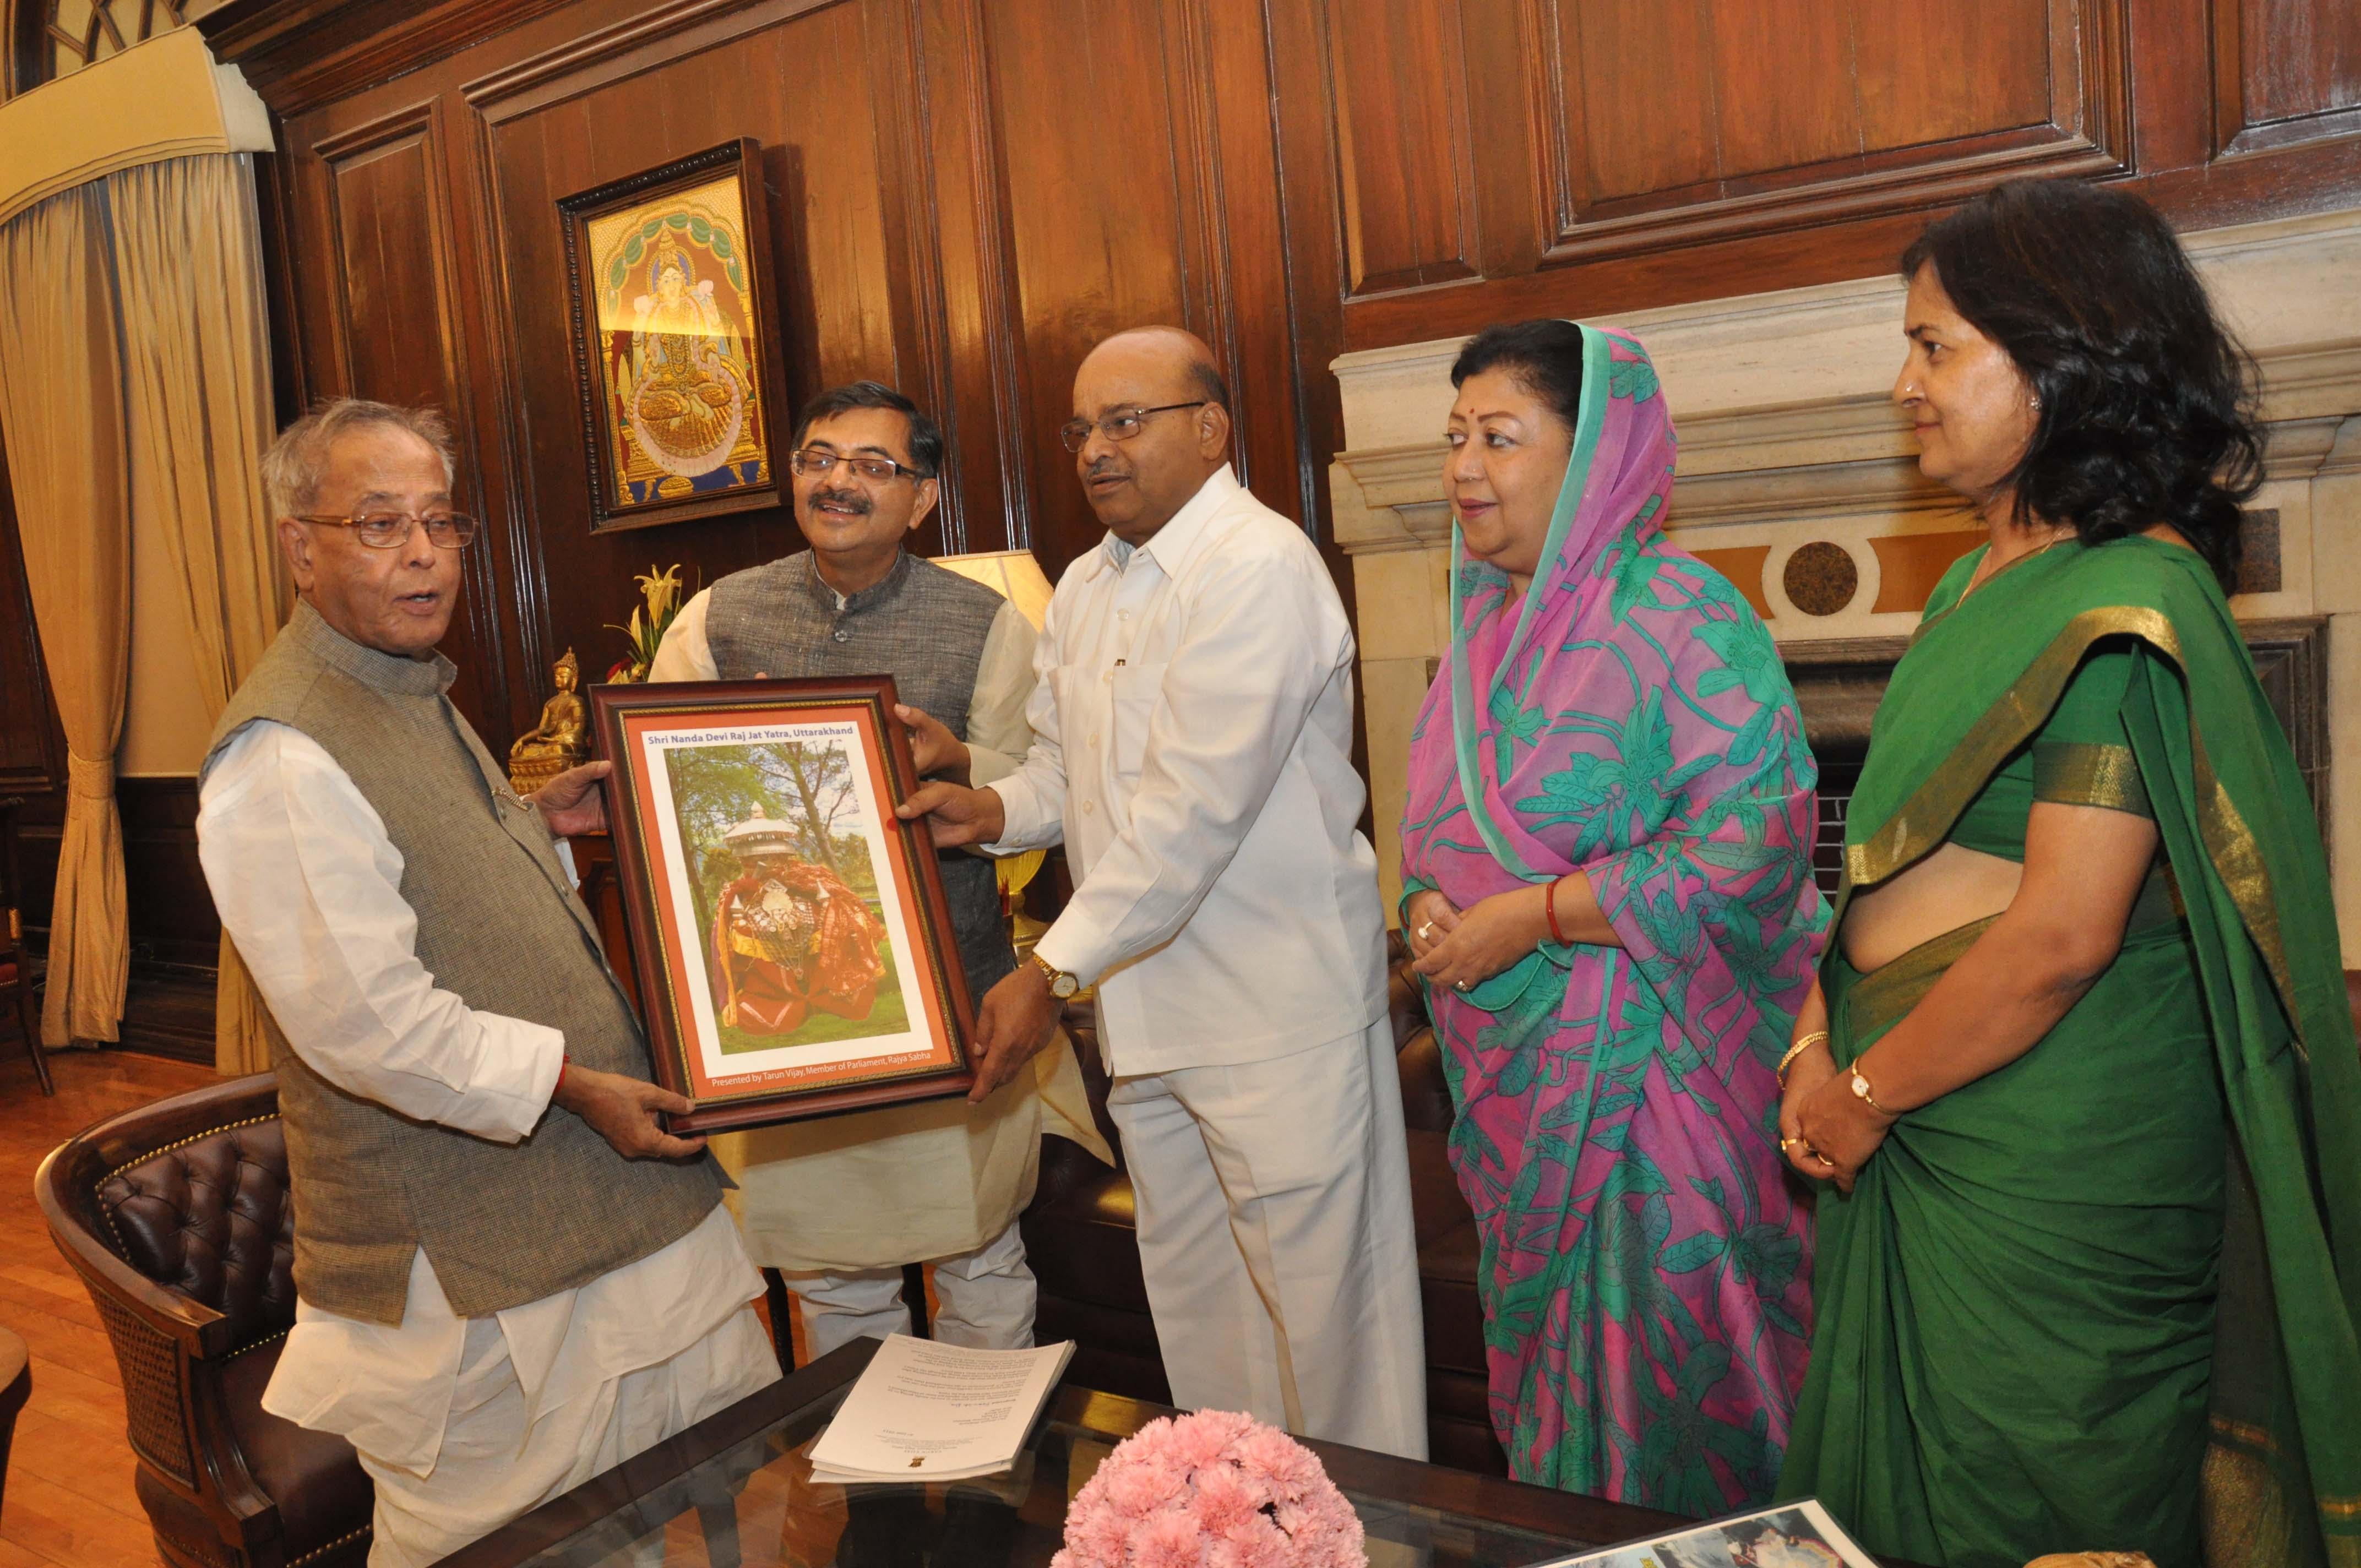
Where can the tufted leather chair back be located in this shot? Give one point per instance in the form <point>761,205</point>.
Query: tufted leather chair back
<point>177,1217</point>
<point>210,1218</point>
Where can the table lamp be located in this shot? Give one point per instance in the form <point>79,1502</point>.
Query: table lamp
<point>1013,575</point>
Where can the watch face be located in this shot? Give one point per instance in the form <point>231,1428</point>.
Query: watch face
<point>1064,986</point>
<point>1861,1086</point>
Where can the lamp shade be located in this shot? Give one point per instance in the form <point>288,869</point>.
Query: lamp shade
<point>1013,575</point>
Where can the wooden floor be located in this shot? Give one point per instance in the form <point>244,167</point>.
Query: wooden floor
<point>69,1500</point>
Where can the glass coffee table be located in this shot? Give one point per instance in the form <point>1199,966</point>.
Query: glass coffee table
<point>735,1491</point>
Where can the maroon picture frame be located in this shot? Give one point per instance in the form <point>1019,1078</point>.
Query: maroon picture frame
<point>682,1042</point>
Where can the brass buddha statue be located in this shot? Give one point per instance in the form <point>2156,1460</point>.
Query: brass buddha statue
<point>562,739</point>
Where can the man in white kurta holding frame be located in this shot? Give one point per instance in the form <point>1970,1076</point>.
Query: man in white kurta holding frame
<point>1194,750</point>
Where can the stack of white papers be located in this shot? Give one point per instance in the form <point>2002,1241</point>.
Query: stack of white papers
<point>927,1411</point>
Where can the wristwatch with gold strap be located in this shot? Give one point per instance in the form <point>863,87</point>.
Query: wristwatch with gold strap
<point>1061,985</point>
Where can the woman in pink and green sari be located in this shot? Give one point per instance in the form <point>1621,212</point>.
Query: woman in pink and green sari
<point>1607,864</point>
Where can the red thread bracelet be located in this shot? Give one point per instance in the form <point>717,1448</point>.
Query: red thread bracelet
<point>1549,908</point>
<point>563,1063</point>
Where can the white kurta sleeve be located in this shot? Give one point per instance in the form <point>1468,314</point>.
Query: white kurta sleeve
<point>997,736</point>
<point>1033,798</point>
<point>309,889</point>
<point>1263,643</point>
<point>685,654</point>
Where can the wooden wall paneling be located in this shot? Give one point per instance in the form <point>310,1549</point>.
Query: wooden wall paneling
<point>2258,184</point>
<point>32,738</point>
<point>1310,224</point>
<point>171,915</point>
<point>1685,123</point>
<point>1098,195</point>
<point>1405,158</point>
<point>1508,119</point>
<point>893,39</point>
<point>1090,205</point>
<point>2285,72</point>
<point>32,741</point>
<point>1617,132</point>
<point>1666,140</point>
<point>967,193</point>
<point>274,193</point>
<point>383,247</point>
<point>303,55</point>
<point>626,98</point>
<point>1205,248</point>
<point>1253,320</point>
<point>1926,74</point>
<point>2172,81</point>
<point>1226,174</point>
<point>514,569</point>
<point>982,352</point>
<point>1784,94</point>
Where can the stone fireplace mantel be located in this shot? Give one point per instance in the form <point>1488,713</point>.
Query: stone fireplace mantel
<point>1798,478</point>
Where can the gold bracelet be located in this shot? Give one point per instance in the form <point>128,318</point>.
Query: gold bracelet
<point>1798,1048</point>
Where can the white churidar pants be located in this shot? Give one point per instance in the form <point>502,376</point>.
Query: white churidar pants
<point>1276,1236</point>
<point>492,1466</point>
<point>985,1300</point>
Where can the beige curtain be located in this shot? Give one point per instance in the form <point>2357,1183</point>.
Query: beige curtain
<point>61,413</point>
<point>188,261</point>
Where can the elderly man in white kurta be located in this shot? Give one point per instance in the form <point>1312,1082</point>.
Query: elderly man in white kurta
<point>1194,750</point>
<point>509,1279</point>
<point>839,1205</point>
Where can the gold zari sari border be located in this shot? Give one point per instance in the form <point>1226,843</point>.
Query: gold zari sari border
<point>1886,994</point>
<point>1924,819</point>
<point>2085,773</point>
<point>2248,1520</point>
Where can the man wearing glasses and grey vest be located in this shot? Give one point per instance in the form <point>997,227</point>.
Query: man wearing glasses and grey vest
<point>839,1205</point>
<point>507,1278</point>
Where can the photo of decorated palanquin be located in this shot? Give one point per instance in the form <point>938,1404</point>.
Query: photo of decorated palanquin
<point>793,937</point>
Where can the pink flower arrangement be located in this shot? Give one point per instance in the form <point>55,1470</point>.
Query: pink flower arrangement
<point>1210,1490</point>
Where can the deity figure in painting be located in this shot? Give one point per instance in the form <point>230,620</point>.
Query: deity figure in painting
<point>689,390</point>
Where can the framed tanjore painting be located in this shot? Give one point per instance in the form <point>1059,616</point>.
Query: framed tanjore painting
<point>674,343</point>
<point>790,934</point>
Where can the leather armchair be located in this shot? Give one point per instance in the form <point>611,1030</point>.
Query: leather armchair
<point>177,1217</point>
<point>1080,1238</point>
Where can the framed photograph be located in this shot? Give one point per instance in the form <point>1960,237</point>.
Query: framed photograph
<point>793,947</point>
<point>674,345</point>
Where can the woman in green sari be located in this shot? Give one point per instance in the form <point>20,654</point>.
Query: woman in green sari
<point>2081,1074</point>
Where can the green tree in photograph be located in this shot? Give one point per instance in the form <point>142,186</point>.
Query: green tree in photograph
<point>809,787</point>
